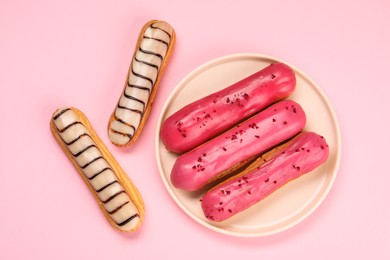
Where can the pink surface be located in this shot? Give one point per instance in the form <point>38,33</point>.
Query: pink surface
<point>56,53</point>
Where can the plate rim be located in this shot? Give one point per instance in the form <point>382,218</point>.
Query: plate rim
<point>212,63</point>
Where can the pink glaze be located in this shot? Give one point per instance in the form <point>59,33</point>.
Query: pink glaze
<point>306,152</point>
<point>277,123</point>
<point>205,118</point>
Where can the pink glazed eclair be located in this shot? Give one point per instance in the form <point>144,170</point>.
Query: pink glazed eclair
<point>231,150</point>
<point>205,118</point>
<point>300,155</point>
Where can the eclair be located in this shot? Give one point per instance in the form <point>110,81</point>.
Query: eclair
<point>152,53</point>
<point>287,162</point>
<point>236,147</point>
<point>209,116</point>
<point>116,195</point>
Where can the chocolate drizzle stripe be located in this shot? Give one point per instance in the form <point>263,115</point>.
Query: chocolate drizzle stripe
<point>76,139</point>
<point>107,185</point>
<point>151,53</point>
<point>155,39</point>
<point>99,172</point>
<point>147,63</point>
<point>134,99</point>
<point>125,123</point>
<point>156,27</point>
<point>61,113</point>
<point>128,220</point>
<point>138,87</point>
<point>69,126</point>
<point>121,133</point>
<point>142,76</point>
<point>84,149</point>
<point>132,110</point>
<point>113,196</point>
<point>118,208</point>
<point>92,161</point>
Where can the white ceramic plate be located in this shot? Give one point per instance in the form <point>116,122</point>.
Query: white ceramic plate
<point>293,202</point>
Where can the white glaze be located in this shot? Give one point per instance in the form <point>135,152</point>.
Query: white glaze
<point>115,202</point>
<point>143,73</point>
<point>102,179</point>
<point>90,171</point>
<point>98,171</point>
<point>105,194</point>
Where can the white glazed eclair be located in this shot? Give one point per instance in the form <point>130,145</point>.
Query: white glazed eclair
<point>116,195</point>
<point>153,50</point>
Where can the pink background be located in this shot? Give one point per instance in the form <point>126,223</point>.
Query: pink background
<point>55,53</point>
